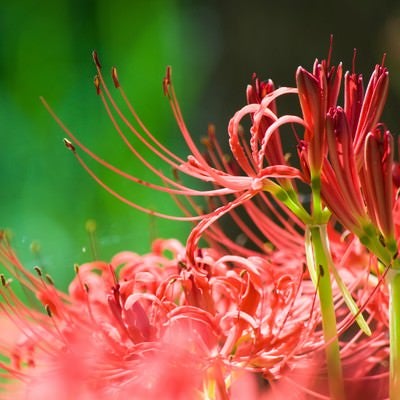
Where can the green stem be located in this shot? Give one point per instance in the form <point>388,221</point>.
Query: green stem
<point>318,260</point>
<point>394,328</point>
<point>316,197</point>
<point>291,202</point>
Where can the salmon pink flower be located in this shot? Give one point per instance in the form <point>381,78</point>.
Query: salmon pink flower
<point>139,325</point>
<point>188,322</point>
<point>103,339</point>
<point>232,187</point>
<point>140,331</point>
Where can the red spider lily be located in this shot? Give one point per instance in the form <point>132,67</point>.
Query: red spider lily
<point>196,166</point>
<point>253,178</point>
<point>334,143</point>
<point>357,173</point>
<point>129,334</point>
<point>333,146</point>
<point>377,172</point>
<point>371,109</point>
<point>106,336</point>
<point>340,180</point>
<point>127,328</point>
<point>255,94</point>
<point>318,92</point>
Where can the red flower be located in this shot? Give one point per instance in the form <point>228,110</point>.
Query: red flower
<point>377,174</point>
<point>318,92</point>
<point>247,178</point>
<point>156,328</point>
<point>127,327</point>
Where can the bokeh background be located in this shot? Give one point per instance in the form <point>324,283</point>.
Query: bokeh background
<point>213,46</point>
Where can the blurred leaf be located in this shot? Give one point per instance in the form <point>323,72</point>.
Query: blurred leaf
<point>46,197</point>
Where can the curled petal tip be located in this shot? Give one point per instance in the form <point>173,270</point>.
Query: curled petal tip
<point>69,145</point>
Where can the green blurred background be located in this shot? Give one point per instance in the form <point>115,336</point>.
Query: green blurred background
<point>213,47</point>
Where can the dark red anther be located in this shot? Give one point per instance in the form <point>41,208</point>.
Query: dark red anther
<point>48,310</point>
<point>115,77</point>
<point>96,59</point>
<point>49,279</point>
<point>181,265</point>
<point>167,81</point>
<point>96,82</point>
<point>211,131</point>
<point>69,145</point>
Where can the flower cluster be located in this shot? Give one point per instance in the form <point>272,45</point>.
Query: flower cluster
<point>296,305</point>
<point>147,326</point>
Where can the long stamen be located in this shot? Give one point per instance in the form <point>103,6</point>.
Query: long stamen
<point>182,189</point>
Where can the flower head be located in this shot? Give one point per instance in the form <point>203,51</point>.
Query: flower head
<point>318,92</point>
<point>126,332</point>
<point>127,327</point>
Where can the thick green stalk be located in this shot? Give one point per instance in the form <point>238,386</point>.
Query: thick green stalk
<point>394,328</point>
<point>318,260</point>
<point>316,197</point>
